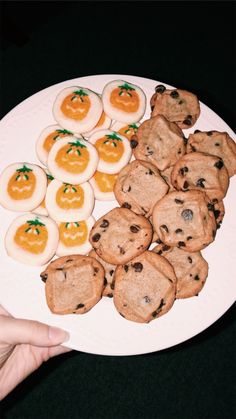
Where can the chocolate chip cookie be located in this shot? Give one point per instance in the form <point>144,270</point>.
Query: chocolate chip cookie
<point>140,185</point>
<point>217,143</point>
<point>120,235</point>
<point>184,220</point>
<point>109,274</point>
<point>74,284</point>
<point>201,171</point>
<point>145,288</point>
<point>159,142</point>
<point>176,105</point>
<point>191,269</point>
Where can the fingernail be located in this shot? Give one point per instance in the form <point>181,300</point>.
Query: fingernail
<point>58,335</point>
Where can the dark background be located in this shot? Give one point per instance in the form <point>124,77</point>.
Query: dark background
<point>186,44</point>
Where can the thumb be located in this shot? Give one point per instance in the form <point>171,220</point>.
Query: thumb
<point>15,331</point>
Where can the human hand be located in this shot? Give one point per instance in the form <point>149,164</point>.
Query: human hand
<point>24,346</point>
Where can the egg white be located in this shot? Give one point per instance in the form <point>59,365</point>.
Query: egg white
<point>106,125</point>
<point>77,126</point>
<point>118,114</point>
<point>112,168</point>
<point>64,215</point>
<point>42,154</point>
<point>62,174</point>
<point>83,249</point>
<point>100,195</point>
<point>23,256</point>
<point>27,204</point>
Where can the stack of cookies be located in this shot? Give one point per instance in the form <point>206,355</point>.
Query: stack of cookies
<point>171,193</point>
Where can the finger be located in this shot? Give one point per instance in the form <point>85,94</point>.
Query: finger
<point>15,331</point>
<point>4,312</point>
<point>58,350</point>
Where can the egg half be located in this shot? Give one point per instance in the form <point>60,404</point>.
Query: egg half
<point>46,140</point>
<point>103,185</point>
<point>72,160</point>
<point>77,109</point>
<point>74,237</point>
<point>123,101</point>
<point>22,186</point>
<point>67,202</point>
<point>32,239</point>
<point>128,130</point>
<point>114,150</point>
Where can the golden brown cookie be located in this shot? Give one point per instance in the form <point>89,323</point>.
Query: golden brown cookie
<point>109,274</point>
<point>140,185</point>
<point>120,235</point>
<point>176,105</point>
<point>191,269</point>
<point>201,171</point>
<point>145,288</point>
<point>217,143</point>
<point>159,142</point>
<point>74,284</point>
<point>185,220</point>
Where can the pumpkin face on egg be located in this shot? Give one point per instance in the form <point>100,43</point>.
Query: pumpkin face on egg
<point>74,237</point>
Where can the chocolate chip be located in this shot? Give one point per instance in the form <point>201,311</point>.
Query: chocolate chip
<point>181,244</point>
<point>179,201</point>
<point>147,299</point>
<point>138,267</point>
<point>185,185</point>
<point>210,206</point>
<point>196,278</point>
<point>193,148</point>
<point>209,133</point>
<point>69,260</point>
<point>159,252</point>
<point>96,237</point>
<point>59,269</point>
<point>174,94</point>
<point>183,170</point>
<point>79,306</point>
<point>105,281</point>
<point>126,205</point>
<point>111,272</point>
<point>219,164</point>
<point>187,214</point>
<point>200,182</point>
<point>216,213</point>
<point>187,121</point>
<point>122,251</point>
<point>185,140</point>
<point>110,296</point>
<point>96,270</point>
<point>179,230</point>
<point>105,223</point>
<point>152,107</point>
<point>133,142</point>
<point>150,172</point>
<point>112,285</point>
<point>190,259</point>
<point>129,189</point>
<point>164,227</point>
<point>189,238</point>
<point>157,311</point>
<point>180,102</point>
<point>134,228</point>
<point>213,233</point>
<point>44,277</point>
<point>165,248</point>
<point>126,268</point>
<point>196,131</point>
<point>160,88</point>
<point>217,144</point>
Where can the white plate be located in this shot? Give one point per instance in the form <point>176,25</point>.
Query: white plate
<point>102,330</point>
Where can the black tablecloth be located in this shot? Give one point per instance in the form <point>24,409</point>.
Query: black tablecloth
<point>186,44</point>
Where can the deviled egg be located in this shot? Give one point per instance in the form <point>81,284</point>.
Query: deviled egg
<point>74,237</point>
<point>46,140</point>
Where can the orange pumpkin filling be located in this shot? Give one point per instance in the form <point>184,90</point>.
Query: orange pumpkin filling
<point>73,234</point>
<point>128,130</point>
<point>76,105</point>
<point>125,98</point>
<point>73,157</point>
<point>22,184</point>
<point>32,236</point>
<point>105,181</point>
<point>110,148</point>
<point>70,196</point>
